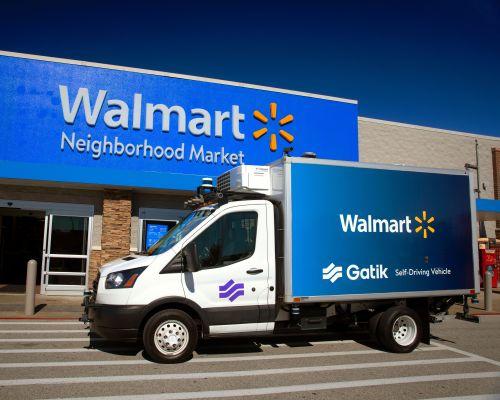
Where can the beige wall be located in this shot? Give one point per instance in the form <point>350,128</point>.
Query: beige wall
<point>390,142</point>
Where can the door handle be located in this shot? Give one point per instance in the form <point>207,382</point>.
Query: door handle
<point>255,271</point>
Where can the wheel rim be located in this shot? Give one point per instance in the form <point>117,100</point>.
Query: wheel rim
<point>171,337</point>
<point>404,330</point>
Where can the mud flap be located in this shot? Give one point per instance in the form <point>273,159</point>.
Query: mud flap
<point>466,315</point>
<point>421,307</point>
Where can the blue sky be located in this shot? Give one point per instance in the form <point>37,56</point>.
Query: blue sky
<point>434,63</point>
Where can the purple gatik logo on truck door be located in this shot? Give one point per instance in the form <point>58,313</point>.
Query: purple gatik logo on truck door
<point>231,290</point>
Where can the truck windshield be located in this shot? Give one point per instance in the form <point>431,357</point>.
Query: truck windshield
<point>179,231</point>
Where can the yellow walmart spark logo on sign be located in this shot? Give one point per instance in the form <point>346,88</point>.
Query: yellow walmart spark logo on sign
<point>273,145</point>
<point>425,224</point>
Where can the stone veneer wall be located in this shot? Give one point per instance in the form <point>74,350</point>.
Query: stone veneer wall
<point>115,236</point>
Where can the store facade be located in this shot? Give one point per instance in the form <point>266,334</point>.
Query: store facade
<point>98,160</point>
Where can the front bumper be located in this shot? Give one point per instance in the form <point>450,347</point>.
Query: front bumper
<point>113,322</point>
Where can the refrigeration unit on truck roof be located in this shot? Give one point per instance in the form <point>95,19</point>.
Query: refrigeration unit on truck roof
<point>246,179</point>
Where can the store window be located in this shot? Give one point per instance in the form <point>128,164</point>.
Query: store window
<point>154,230</point>
<point>153,224</point>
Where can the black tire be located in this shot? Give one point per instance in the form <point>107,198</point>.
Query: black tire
<point>167,328</point>
<point>409,334</point>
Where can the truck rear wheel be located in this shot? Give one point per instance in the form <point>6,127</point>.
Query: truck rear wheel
<point>399,329</point>
<point>170,336</point>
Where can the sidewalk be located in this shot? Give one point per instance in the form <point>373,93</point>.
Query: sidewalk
<point>46,307</point>
<point>478,309</point>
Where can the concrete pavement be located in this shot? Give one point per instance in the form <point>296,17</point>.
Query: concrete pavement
<point>51,359</point>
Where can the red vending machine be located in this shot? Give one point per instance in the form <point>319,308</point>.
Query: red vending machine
<point>487,258</point>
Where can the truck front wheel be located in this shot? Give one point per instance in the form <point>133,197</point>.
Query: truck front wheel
<point>399,329</point>
<point>170,336</point>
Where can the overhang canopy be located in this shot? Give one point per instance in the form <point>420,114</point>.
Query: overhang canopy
<point>488,209</point>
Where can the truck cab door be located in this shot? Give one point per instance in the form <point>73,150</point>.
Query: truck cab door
<point>231,278</point>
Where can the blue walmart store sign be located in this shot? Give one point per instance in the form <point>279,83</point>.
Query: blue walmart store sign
<point>68,122</point>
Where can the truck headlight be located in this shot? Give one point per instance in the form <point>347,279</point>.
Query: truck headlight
<point>123,279</point>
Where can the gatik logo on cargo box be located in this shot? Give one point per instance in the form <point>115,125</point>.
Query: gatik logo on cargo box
<point>359,224</point>
<point>354,272</point>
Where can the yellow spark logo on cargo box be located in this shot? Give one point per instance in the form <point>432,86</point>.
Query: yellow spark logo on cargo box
<point>425,224</point>
<point>273,145</point>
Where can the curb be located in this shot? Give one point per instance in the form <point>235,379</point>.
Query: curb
<point>487,317</point>
<point>487,314</point>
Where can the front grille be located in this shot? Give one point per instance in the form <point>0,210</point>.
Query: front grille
<point>224,182</point>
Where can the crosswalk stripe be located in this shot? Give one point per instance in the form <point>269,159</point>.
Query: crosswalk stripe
<point>298,388</point>
<point>228,374</point>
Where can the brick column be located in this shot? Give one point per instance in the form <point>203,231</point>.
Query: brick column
<point>95,264</point>
<point>116,215</point>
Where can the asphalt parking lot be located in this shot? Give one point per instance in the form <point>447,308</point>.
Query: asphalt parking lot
<point>52,359</point>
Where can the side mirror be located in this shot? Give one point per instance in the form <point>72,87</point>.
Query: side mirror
<point>190,255</point>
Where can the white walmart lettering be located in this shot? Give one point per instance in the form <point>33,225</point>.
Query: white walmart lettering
<point>355,223</point>
<point>115,147</point>
<point>117,114</point>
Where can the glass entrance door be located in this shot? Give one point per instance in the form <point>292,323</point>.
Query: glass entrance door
<point>65,254</point>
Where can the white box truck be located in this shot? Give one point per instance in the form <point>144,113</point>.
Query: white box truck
<point>301,245</point>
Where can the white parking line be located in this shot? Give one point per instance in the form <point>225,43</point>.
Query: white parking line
<point>228,374</point>
<point>466,353</point>
<point>23,340</point>
<point>39,340</point>
<point>298,388</point>
<point>474,397</point>
<point>288,344</point>
<point>200,359</point>
<point>41,322</point>
<point>57,350</point>
<point>30,331</point>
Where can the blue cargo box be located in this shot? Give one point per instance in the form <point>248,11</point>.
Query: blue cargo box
<point>357,231</point>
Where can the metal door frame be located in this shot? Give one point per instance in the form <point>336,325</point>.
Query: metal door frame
<point>45,287</point>
<point>59,209</point>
